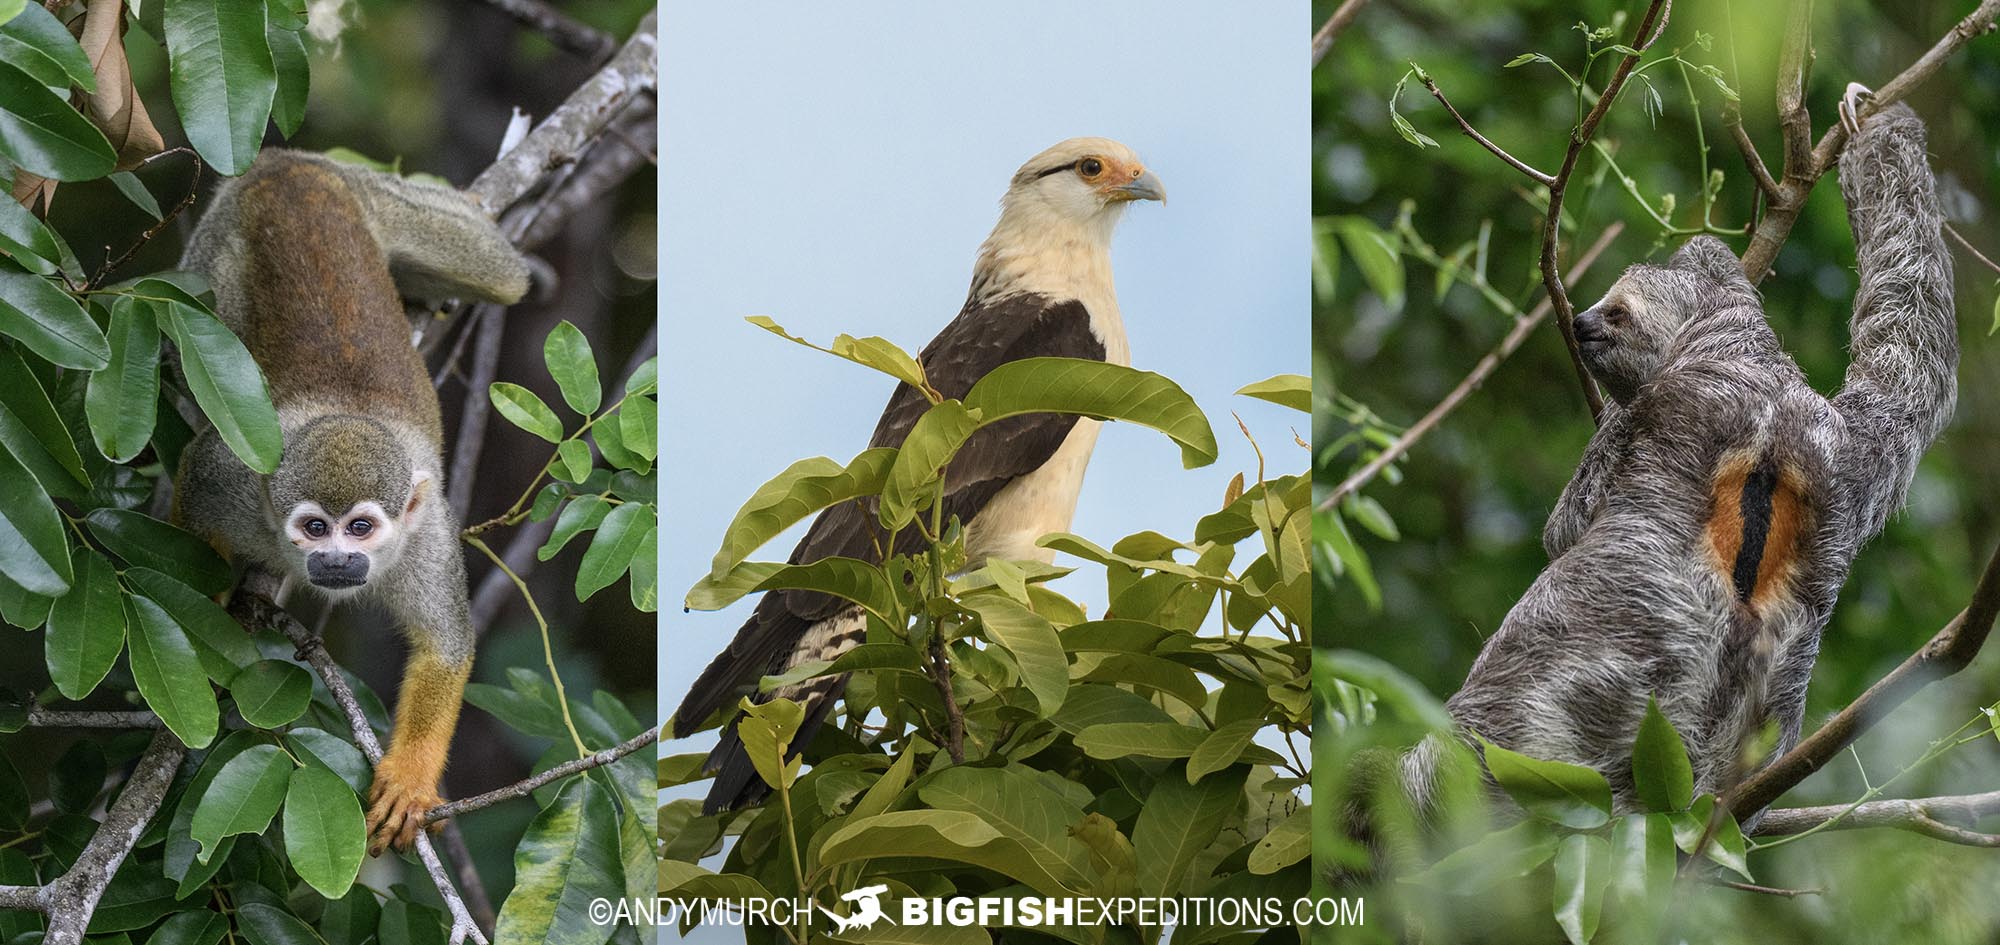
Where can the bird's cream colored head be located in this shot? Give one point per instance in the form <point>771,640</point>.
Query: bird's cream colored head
<point>1059,212</point>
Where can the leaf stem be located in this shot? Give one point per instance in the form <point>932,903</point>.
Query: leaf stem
<point>548,651</point>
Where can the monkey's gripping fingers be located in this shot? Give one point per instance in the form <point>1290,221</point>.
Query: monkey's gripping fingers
<point>397,803</point>
<point>1850,106</point>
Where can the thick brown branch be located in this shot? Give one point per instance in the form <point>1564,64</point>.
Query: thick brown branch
<point>1342,15</point>
<point>71,899</point>
<point>1485,368</point>
<point>1465,126</point>
<point>1948,652</point>
<point>527,786</point>
<point>1924,815</point>
<point>1795,57</point>
<point>1650,27</point>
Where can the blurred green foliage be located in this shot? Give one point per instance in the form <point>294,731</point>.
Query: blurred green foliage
<point>1468,506</point>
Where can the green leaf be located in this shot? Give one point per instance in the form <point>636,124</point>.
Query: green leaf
<point>1525,58</point>
<point>638,426</point>
<point>28,240</point>
<point>169,673</point>
<point>135,191</point>
<point>222,376</point>
<point>1146,739</point>
<point>877,353</point>
<point>1178,822</point>
<point>645,572</point>
<point>525,410</point>
<point>952,835</point>
<point>567,859</point>
<point>265,924</point>
<point>847,578</point>
<point>920,462</point>
<point>39,45</point>
<point>1377,254</point>
<point>77,777</point>
<point>1642,872</point>
<point>13,795</point>
<point>1096,389</point>
<point>294,75</point>
<point>121,402</point>
<point>147,542</point>
<point>272,694</point>
<point>805,487</point>
<point>1661,774</point>
<point>33,552</point>
<point>243,798</point>
<point>645,378</point>
<point>1371,515</point>
<point>582,514</point>
<point>1285,390</point>
<point>1032,641</point>
<point>1571,795</point>
<point>46,319</point>
<point>767,730</point>
<point>45,136</point>
<point>36,434</point>
<point>193,927</point>
<point>218,639</point>
<point>324,836</point>
<point>1015,801</point>
<point>572,461</point>
<point>1402,125</point>
<point>1222,747</point>
<point>86,627</point>
<point>567,353</point>
<point>223,78</point>
<point>612,548</point>
<point>1287,843</point>
<point>1725,845</point>
<point>1581,871</point>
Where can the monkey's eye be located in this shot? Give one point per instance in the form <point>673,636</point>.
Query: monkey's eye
<point>360,527</point>
<point>1090,167</point>
<point>316,527</point>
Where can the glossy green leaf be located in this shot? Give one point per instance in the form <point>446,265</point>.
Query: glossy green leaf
<point>645,572</point>
<point>39,45</point>
<point>193,927</point>
<point>568,858</point>
<point>525,410</point>
<point>567,353</point>
<point>21,608</point>
<point>1178,822</point>
<point>613,547</point>
<point>218,639</point>
<point>847,578</point>
<point>33,552</point>
<point>638,426</point>
<point>27,240</point>
<point>912,484</point>
<point>86,627</point>
<point>572,461</point>
<point>1661,775</point>
<point>804,488</point>
<point>1571,795</point>
<point>767,730</point>
<point>265,924</point>
<point>294,75</point>
<point>645,378</point>
<point>582,514</point>
<point>39,314</point>
<point>1284,844</point>
<point>1145,739</point>
<point>1015,801</point>
<point>147,542</point>
<point>44,135</point>
<point>1222,747</point>
<point>873,352</point>
<point>1582,868</point>
<point>324,836</point>
<point>169,673</point>
<point>121,402</point>
<point>1376,253</point>
<point>1285,390</point>
<point>272,694</point>
<point>224,379</point>
<point>326,750</point>
<point>31,429</point>
<point>135,191</point>
<point>953,835</point>
<point>1032,641</point>
<point>243,798</point>
<point>223,78</point>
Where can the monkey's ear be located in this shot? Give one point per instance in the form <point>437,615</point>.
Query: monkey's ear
<point>1711,257</point>
<point>420,491</point>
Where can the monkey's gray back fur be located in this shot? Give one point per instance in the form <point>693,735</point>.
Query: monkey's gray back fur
<point>1697,553</point>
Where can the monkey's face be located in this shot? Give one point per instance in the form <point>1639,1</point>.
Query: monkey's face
<point>340,550</point>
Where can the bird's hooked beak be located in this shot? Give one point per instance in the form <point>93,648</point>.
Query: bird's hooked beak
<point>1145,186</point>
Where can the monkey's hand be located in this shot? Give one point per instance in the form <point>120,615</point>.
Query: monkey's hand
<point>405,789</point>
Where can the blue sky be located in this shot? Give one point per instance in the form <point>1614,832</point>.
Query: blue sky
<point>834,166</point>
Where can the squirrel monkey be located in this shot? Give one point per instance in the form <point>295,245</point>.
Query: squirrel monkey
<point>306,256</point>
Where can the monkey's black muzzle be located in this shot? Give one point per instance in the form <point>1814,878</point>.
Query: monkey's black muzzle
<point>337,570</point>
<point>1593,335</point>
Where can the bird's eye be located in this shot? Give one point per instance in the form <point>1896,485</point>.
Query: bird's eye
<point>316,527</point>
<point>360,527</point>
<point>1090,167</point>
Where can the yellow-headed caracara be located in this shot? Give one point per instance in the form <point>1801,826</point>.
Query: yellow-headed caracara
<point>1041,287</point>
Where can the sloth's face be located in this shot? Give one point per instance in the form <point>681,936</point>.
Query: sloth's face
<point>1626,336</point>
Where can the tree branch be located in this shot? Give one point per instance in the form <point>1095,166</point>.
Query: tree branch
<point>1465,126</point>
<point>562,32</point>
<point>1951,650</point>
<point>39,717</point>
<point>256,612</point>
<point>1523,326</point>
<point>1342,15</point>
<point>1732,121</point>
<point>1650,27</point>
<point>71,899</point>
<point>527,786</point>
<point>1925,815</point>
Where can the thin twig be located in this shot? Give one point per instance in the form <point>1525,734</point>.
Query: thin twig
<point>194,187</point>
<point>1342,15</point>
<point>1537,176</point>
<point>489,322</point>
<point>1764,890</point>
<point>477,900</point>
<point>1923,815</point>
<point>1951,650</point>
<point>1953,232</point>
<point>1523,326</point>
<point>1732,121</point>
<point>591,45</point>
<point>525,787</point>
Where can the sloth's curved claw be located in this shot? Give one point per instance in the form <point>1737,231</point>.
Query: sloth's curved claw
<point>1850,106</point>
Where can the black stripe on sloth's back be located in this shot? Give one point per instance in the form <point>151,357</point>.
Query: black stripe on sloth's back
<point>1755,507</point>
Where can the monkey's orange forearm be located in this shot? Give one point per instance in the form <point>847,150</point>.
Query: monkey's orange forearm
<point>406,779</point>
